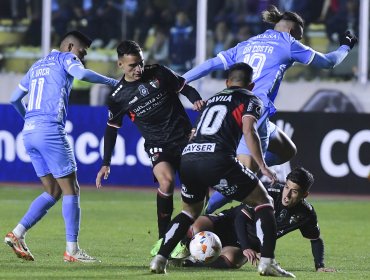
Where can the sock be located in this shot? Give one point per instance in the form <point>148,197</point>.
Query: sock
<point>164,212</point>
<point>71,214</point>
<point>20,231</point>
<point>216,201</point>
<point>38,209</point>
<point>176,231</point>
<point>272,159</point>
<point>266,229</point>
<point>72,247</point>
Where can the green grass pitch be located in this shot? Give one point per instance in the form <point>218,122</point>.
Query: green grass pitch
<point>119,227</point>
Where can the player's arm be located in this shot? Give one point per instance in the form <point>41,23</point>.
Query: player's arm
<point>194,97</point>
<point>242,223</point>
<point>16,100</point>
<point>87,75</point>
<point>254,144</point>
<point>204,69</point>
<point>332,59</point>
<point>110,138</point>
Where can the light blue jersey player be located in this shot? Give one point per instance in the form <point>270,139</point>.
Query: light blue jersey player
<point>270,54</point>
<point>48,84</point>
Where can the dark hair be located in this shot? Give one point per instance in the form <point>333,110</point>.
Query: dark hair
<point>273,15</point>
<point>301,177</point>
<point>240,72</point>
<point>128,47</point>
<point>78,35</point>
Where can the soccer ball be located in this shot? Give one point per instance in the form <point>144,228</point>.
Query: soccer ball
<point>205,247</point>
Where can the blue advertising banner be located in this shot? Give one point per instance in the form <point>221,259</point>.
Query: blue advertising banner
<point>335,147</point>
<point>85,127</point>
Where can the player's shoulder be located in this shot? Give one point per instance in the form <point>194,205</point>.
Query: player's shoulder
<point>276,188</point>
<point>308,206</point>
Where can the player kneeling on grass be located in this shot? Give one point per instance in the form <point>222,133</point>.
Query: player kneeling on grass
<point>236,227</point>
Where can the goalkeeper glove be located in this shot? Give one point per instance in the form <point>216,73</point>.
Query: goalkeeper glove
<point>348,39</point>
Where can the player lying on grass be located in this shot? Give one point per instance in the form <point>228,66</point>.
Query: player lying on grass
<point>236,227</point>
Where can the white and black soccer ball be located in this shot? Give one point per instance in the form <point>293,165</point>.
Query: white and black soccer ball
<point>205,247</point>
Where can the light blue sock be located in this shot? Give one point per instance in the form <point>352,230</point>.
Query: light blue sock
<point>216,201</point>
<point>272,159</point>
<point>71,214</point>
<point>38,208</point>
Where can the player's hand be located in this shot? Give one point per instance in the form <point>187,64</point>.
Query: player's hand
<point>104,171</point>
<point>326,269</point>
<point>198,105</point>
<point>269,173</point>
<point>348,39</point>
<point>252,256</point>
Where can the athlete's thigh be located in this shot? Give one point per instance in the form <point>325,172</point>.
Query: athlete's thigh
<point>237,181</point>
<point>194,176</point>
<point>281,144</point>
<point>31,142</point>
<point>56,151</point>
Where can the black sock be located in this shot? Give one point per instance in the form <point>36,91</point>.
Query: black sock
<point>222,262</point>
<point>164,212</point>
<point>176,231</point>
<point>266,220</point>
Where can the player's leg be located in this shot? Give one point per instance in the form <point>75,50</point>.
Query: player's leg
<point>165,175</point>
<point>266,231</point>
<point>193,195</point>
<point>280,148</point>
<point>40,205</point>
<point>177,229</point>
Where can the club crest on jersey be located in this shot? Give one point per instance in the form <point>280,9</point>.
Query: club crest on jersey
<point>143,90</point>
<point>154,83</point>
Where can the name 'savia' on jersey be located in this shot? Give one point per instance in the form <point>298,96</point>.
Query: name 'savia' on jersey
<point>219,128</point>
<point>152,103</point>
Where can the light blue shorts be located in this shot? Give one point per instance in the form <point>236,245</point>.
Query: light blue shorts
<point>265,129</point>
<point>50,151</point>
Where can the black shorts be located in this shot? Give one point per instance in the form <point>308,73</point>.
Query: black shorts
<point>223,173</point>
<point>166,153</point>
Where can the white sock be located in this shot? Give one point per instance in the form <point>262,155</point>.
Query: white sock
<point>266,260</point>
<point>72,247</point>
<point>20,231</point>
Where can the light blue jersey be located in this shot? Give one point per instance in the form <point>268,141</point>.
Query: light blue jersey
<point>270,54</point>
<point>48,84</point>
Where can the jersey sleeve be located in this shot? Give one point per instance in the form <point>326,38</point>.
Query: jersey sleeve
<point>228,57</point>
<point>171,80</point>
<point>310,229</point>
<point>115,113</point>
<point>25,82</point>
<point>253,108</point>
<point>71,60</point>
<point>301,53</point>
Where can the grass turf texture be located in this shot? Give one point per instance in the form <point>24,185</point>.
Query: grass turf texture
<point>119,227</point>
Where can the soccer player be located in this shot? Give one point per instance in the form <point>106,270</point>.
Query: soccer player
<point>236,227</point>
<point>210,160</point>
<point>49,82</point>
<point>149,96</point>
<point>270,54</point>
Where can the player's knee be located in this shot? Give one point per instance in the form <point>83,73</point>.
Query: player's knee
<point>166,185</point>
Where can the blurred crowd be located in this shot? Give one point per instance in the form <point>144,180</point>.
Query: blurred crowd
<point>166,28</point>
